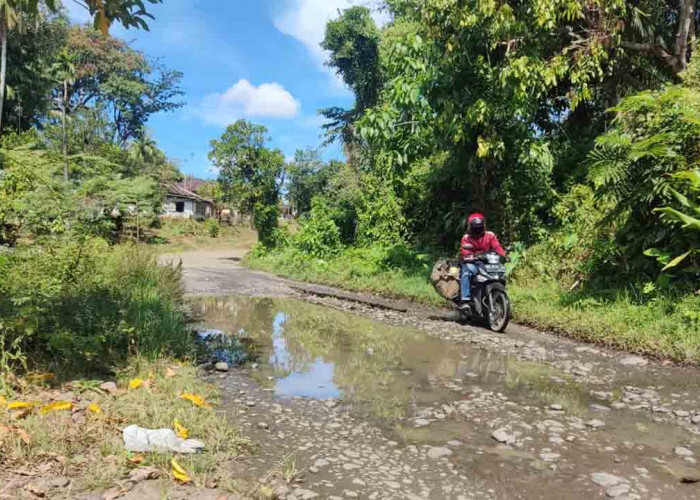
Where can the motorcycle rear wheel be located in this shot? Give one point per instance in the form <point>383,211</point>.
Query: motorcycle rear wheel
<point>499,316</point>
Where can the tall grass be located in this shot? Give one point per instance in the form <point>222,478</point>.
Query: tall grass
<point>85,304</point>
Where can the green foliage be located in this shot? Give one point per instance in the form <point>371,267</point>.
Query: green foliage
<point>318,236</point>
<point>654,139</point>
<point>250,174</point>
<point>353,43</point>
<point>87,305</point>
<point>213,227</point>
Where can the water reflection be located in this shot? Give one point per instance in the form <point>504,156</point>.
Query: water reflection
<point>380,369</point>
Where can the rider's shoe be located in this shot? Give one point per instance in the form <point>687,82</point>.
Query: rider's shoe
<point>465,306</point>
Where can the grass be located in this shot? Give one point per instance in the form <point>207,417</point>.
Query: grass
<point>87,447</point>
<point>664,326</point>
<point>189,235</point>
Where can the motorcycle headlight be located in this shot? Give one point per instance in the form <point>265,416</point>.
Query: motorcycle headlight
<point>481,278</point>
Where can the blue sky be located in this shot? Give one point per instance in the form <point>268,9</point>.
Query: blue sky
<point>252,59</point>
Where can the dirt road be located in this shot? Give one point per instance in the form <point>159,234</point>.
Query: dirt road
<point>352,401</point>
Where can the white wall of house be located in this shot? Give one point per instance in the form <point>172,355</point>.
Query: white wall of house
<point>178,207</point>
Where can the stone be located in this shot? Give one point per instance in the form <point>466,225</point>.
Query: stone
<point>313,470</point>
<point>550,457</point>
<point>682,413</point>
<point>633,361</point>
<point>321,462</point>
<point>439,452</point>
<point>221,366</point>
<point>695,419</point>
<point>597,407</point>
<point>351,494</point>
<point>143,474</point>
<point>503,436</point>
<point>606,480</point>
<point>263,425</point>
<point>394,485</point>
<point>421,422</point>
<point>595,423</point>
<point>617,490</point>
<point>556,407</point>
<point>250,403</point>
<point>109,387</point>
<point>682,451</point>
<point>304,494</point>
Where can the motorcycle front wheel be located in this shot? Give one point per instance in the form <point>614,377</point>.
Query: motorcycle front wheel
<point>499,313</point>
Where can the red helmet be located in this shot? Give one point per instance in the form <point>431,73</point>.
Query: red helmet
<point>477,224</point>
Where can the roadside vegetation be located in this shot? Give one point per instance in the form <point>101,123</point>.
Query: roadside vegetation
<point>83,300</point>
<point>559,122</point>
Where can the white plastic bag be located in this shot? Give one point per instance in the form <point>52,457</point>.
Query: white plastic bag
<point>161,440</point>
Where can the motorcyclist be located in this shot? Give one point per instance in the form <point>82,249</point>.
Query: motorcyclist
<point>477,240</point>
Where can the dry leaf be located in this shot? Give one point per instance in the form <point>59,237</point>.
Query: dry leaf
<point>170,373</point>
<point>56,406</point>
<point>179,473</point>
<point>20,405</point>
<point>5,430</point>
<point>3,401</point>
<point>135,383</point>
<point>137,459</point>
<point>94,408</point>
<point>143,474</point>
<point>181,431</point>
<point>23,413</point>
<point>38,378</point>
<point>196,400</point>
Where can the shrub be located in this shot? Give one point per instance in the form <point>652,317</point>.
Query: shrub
<point>213,227</point>
<point>318,236</point>
<point>86,304</point>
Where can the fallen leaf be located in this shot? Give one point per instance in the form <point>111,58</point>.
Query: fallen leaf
<point>56,406</point>
<point>135,383</point>
<point>151,375</point>
<point>179,473</point>
<point>37,378</point>
<point>136,459</point>
<point>181,431</point>
<point>143,474</point>
<point>23,413</point>
<point>20,405</point>
<point>170,373</point>
<point>6,430</point>
<point>94,408</point>
<point>3,401</point>
<point>196,400</point>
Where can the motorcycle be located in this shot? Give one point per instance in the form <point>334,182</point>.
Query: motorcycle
<point>489,300</point>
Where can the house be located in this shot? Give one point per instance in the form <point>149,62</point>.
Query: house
<point>179,203</point>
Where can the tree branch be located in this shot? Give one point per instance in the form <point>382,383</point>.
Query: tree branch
<point>669,59</point>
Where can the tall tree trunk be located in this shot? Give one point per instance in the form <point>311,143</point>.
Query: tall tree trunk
<point>63,126</point>
<point>3,60</point>
<point>687,18</point>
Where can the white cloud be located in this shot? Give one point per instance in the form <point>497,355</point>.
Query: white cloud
<point>306,21</point>
<point>245,100</point>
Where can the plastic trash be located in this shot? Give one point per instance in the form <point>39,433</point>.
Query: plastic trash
<point>160,440</point>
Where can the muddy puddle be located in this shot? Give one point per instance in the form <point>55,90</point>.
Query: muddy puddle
<point>423,391</point>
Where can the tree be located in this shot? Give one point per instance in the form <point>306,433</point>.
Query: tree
<point>307,177</point>
<point>128,13</point>
<point>353,43</point>
<point>122,80</point>
<point>64,71</point>
<point>250,174</point>
<point>11,12</point>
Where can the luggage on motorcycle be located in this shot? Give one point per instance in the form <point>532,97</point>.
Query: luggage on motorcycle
<point>445,278</point>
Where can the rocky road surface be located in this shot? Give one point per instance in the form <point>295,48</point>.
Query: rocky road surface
<point>627,427</point>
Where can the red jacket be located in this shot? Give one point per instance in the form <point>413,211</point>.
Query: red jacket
<point>487,243</point>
